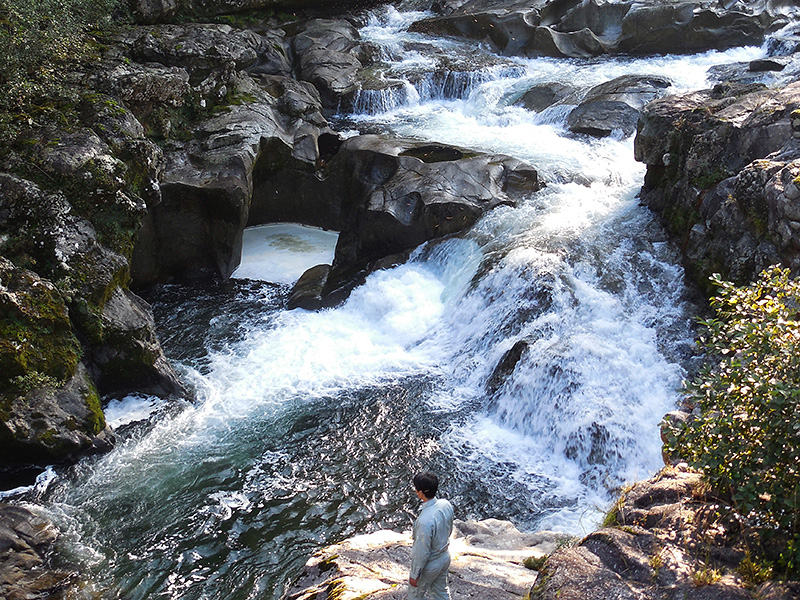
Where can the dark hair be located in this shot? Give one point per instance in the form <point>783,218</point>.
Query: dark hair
<point>427,483</point>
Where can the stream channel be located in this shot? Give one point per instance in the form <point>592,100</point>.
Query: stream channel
<point>305,428</point>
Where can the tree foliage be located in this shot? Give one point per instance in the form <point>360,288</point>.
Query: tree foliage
<point>746,437</point>
<point>38,38</point>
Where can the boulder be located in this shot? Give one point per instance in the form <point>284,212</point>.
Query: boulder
<point>668,540</point>
<point>26,539</point>
<point>399,193</point>
<point>543,95</point>
<point>720,170</point>
<point>328,57</point>
<point>583,28</point>
<point>309,290</point>
<point>487,563</point>
<point>615,105</point>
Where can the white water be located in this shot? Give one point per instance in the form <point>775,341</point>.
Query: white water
<point>306,426</point>
<point>282,252</point>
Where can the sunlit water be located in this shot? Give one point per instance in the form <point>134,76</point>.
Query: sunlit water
<point>306,427</point>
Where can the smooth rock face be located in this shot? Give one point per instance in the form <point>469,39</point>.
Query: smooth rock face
<point>721,168</point>
<point>592,27</point>
<point>667,534</point>
<point>396,194</point>
<point>615,105</point>
<point>487,559</point>
<point>25,540</point>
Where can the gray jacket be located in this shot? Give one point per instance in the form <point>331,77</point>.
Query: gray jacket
<point>432,531</point>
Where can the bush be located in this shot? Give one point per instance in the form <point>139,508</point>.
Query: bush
<point>38,37</point>
<point>746,437</point>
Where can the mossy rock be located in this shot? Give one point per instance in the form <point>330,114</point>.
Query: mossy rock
<point>35,331</point>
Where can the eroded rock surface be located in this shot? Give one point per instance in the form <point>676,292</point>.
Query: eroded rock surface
<point>487,564</point>
<point>25,541</point>
<point>584,28</point>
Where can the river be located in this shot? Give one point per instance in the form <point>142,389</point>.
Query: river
<point>306,428</point>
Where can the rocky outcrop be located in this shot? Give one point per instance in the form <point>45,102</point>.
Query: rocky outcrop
<point>670,539</point>
<point>583,28</point>
<point>722,169</point>
<point>400,193</point>
<point>26,540</point>
<point>71,329</point>
<point>487,563</point>
<point>614,105</point>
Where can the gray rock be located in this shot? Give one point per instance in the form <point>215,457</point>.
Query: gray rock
<point>203,48</point>
<point>708,178</point>
<point>660,548</point>
<point>541,96</point>
<point>328,56</point>
<point>26,539</point>
<point>309,290</point>
<point>582,28</point>
<point>615,105</point>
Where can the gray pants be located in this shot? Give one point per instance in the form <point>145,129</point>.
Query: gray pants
<point>432,583</point>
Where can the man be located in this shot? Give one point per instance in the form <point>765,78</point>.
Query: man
<point>430,556</point>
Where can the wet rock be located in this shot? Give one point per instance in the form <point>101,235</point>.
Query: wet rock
<point>588,28</point>
<point>400,194</point>
<point>487,563</point>
<point>309,290</point>
<point>130,357</point>
<point>659,548</point>
<point>210,180</point>
<point>720,172</point>
<point>615,105</point>
<point>328,55</point>
<point>506,366</point>
<point>544,95</point>
<point>25,541</point>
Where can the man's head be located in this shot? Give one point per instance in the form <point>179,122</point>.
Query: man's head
<point>427,483</point>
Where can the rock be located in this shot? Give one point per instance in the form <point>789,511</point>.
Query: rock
<point>661,547</point>
<point>203,48</point>
<point>45,422</point>
<point>720,165</point>
<point>487,564</point>
<point>143,85</point>
<point>615,105</point>
<point>506,366</point>
<point>309,290</point>
<point>587,28</point>
<point>25,541</point>
<point>130,357</point>
<point>400,194</point>
<point>328,58</point>
<point>210,180</point>
<point>544,95</point>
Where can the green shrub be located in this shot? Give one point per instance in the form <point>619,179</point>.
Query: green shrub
<point>746,437</point>
<point>39,37</point>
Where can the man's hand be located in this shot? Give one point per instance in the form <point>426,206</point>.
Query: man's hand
<point>412,582</point>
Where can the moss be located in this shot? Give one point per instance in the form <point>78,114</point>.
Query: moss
<point>534,563</point>
<point>96,421</point>
<point>36,338</point>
